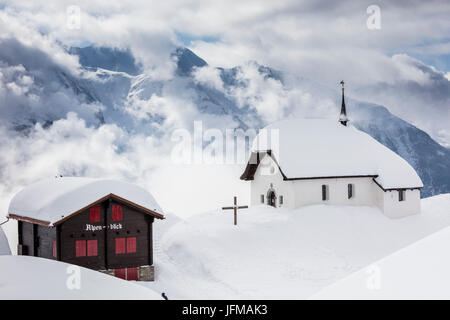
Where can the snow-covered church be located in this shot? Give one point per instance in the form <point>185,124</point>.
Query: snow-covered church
<point>300,162</point>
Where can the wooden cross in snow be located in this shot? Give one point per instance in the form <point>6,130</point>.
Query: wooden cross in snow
<point>235,208</point>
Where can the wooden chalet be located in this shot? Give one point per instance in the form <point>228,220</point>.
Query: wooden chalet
<point>103,225</point>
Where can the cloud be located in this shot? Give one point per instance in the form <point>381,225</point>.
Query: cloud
<point>36,86</point>
<point>209,76</point>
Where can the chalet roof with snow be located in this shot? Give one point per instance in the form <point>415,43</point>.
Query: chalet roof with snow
<point>321,148</point>
<point>50,201</point>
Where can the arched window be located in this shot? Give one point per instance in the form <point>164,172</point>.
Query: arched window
<point>271,198</point>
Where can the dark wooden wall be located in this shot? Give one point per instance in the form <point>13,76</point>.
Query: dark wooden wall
<point>75,229</point>
<point>134,224</point>
<point>37,239</point>
<point>45,237</point>
<point>26,237</point>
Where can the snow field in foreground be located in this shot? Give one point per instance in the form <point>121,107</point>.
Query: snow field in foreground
<point>280,253</point>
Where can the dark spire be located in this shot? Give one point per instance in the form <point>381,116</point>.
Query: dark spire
<point>343,116</point>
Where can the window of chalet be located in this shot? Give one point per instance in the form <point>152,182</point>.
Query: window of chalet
<point>84,248</point>
<point>281,200</point>
<point>325,192</point>
<point>132,273</point>
<point>54,249</point>
<point>121,273</point>
<point>125,245</point>
<point>94,214</point>
<point>127,273</point>
<point>80,248</point>
<point>262,198</point>
<point>92,248</point>
<point>117,212</point>
<point>350,190</point>
<point>131,244</point>
<point>401,195</point>
<point>120,245</point>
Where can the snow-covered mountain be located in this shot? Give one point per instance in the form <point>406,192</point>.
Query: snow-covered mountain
<point>106,58</point>
<point>112,87</point>
<point>430,159</point>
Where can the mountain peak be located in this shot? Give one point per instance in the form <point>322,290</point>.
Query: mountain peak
<point>187,61</point>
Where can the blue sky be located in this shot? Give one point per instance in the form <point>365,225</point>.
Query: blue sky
<point>187,39</point>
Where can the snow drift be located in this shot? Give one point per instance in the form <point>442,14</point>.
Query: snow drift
<point>30,278</point>
<point>282,254</point>
<point>419,271</point>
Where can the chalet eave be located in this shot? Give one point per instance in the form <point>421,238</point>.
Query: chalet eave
<point>30,220</point>
<point>64,218</point>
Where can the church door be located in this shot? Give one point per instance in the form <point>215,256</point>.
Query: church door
<point>271,199</point>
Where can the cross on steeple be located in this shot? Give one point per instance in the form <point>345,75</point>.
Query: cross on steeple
<point>343,116</point>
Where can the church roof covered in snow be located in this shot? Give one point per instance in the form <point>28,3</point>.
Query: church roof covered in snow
<point>51,200</point>
<point>314,148</point>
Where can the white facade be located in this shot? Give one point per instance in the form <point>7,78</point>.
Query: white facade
<point>297,193</point>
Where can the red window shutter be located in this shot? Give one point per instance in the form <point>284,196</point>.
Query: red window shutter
<point>92,249</point>
<point>116,212</point>
<point>94,213</point>
<point>132,274</point>
<point>80,248</point>
<point>120,245</point>
<point>131,245</point>
<point>54,249</point>
<point>121,273</point>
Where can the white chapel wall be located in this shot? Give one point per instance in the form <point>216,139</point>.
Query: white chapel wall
<point>264,178</point>
<point>310,191</point>
<point>297,193</point>
<point>379,196</point>
<point>394,208</point>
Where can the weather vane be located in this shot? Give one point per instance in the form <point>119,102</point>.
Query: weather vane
<point>342,82</point>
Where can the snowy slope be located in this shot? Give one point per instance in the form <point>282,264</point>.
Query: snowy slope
<point>32,278</point>
<point>4,245</point>
<point>419,271</point>
<point>278,253</point>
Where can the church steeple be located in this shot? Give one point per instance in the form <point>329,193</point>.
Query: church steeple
<point>343,116</point>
